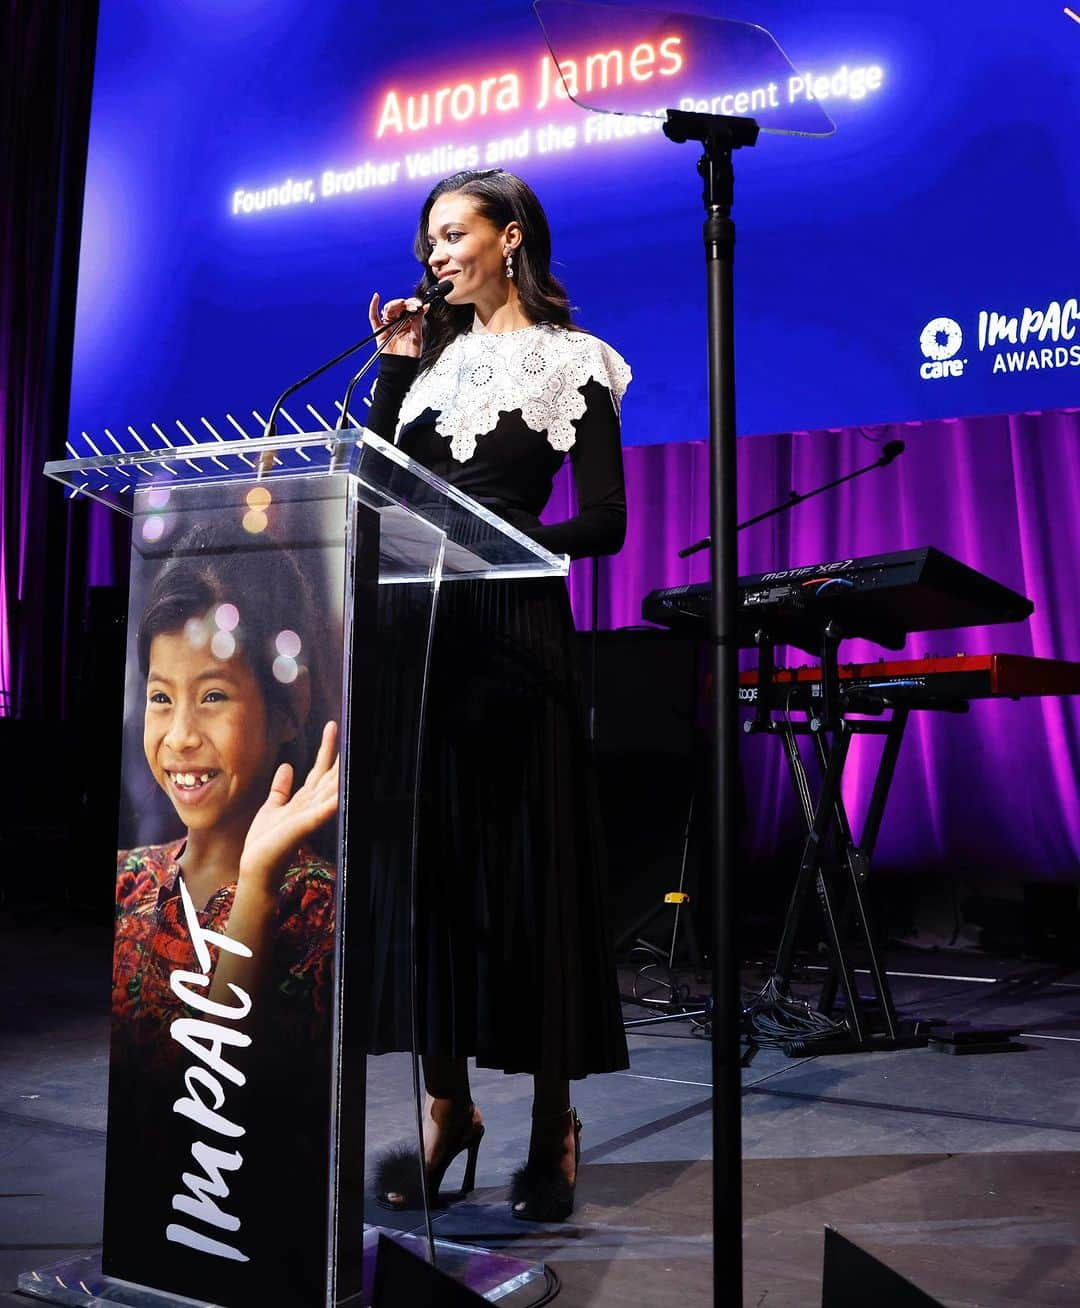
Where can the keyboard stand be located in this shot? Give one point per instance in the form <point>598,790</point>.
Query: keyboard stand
<point>840,882</point>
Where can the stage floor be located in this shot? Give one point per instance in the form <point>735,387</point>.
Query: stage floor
<point>962,1173</point>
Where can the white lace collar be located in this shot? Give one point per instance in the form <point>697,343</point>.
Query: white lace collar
<point>536,370</point>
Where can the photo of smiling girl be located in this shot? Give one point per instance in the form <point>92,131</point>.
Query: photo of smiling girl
<point>227,735</point>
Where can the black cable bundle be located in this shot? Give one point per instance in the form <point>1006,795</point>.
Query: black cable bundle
<point>777,1021</point>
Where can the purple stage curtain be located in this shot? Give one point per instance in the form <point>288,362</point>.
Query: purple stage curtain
<point>992,794</point>
<point>46,63</point>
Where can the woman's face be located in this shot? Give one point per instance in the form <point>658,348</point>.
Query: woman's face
<point>207,734</point>
<point>468,250</point>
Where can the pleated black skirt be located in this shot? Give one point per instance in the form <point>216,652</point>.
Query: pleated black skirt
<point>513,954</point>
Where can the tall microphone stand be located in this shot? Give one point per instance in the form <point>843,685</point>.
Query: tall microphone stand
<point>720,135</point>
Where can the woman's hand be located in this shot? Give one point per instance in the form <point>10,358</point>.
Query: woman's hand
<point>286,819</point>
<point>409,340</point>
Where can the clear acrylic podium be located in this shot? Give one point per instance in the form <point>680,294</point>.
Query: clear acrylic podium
<point>301,572</point>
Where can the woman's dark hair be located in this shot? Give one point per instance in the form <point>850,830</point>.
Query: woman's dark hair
<point>272,596</point>
<point>501,198</point>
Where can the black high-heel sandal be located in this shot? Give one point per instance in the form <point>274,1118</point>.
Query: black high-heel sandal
<point>397,1171</point>
<point>542,1193</point>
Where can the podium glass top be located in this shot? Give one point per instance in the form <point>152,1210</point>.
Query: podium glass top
<point>410,500</point>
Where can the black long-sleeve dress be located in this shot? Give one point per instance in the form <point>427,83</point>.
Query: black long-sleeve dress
<point>513,953</point>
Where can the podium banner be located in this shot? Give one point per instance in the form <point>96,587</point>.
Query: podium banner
<point>224,1177</point>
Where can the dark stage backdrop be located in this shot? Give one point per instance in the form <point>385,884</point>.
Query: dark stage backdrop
<point>46,71</point>
<point>991,792</point>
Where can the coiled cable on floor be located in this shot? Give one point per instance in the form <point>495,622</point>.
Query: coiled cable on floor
<point>552,1286</point>
<point>775,1020</point>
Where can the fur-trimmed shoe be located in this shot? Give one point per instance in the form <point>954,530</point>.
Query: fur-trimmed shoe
<point>541,1193</point>
<point>397,1182</point>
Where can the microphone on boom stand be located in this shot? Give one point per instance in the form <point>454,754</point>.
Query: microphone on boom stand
<point>266,459</point>
<point>889,451</point>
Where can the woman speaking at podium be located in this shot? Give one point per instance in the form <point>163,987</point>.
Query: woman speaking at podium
<point>491,389</point>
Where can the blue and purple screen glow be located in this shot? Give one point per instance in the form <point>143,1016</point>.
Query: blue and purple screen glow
<point>921,262</point>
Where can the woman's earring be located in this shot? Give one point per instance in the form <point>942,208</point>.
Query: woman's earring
<point>510,264</point>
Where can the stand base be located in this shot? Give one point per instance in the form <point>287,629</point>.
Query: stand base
<point>80,1282</point>
<point>913,1034</point>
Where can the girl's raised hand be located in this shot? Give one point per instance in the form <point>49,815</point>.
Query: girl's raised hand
<point>409,340</point>
<point>287,819</point>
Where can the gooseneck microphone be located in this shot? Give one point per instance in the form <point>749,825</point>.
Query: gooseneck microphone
<point>436,292</point>
<point>390,329</point>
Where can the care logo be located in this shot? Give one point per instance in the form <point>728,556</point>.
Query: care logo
<point>940,342</point>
